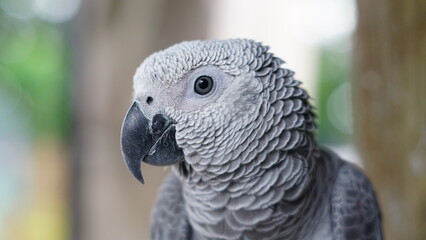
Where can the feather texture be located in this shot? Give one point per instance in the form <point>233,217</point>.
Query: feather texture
<point>252,169</point>
<point>355,212</point>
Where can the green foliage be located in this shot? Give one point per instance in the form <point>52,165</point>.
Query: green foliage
<point>33,65</point>
<point>334,108</point>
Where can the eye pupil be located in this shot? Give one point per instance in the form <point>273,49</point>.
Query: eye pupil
<point>203,85</point>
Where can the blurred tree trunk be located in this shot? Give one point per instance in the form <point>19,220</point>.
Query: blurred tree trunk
<point>390,109</point>
<point>112,39</point>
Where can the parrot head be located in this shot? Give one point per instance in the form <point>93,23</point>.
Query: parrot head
<point>207,104</point>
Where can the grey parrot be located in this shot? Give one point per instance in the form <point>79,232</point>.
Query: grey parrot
<point>239,132</point>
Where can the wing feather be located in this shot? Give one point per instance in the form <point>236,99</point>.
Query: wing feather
<point>355,211</point>
<point>169,218</point>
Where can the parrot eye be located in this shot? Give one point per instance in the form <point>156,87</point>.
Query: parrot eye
<point>203,85</point>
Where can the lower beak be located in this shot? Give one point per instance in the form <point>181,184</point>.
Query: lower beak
<point>151,141</point>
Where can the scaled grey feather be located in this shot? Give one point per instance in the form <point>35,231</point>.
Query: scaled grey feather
<point>252,169</point>
<point>355,215</point>
<point>170,221</point>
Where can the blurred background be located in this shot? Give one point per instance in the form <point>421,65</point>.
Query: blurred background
<point>66,70</point>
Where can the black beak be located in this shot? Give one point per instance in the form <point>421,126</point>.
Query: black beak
<point>148,141</point>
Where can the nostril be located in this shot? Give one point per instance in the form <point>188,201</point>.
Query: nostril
<point>149,100</point>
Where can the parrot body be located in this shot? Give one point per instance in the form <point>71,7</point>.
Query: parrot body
<point>239,132</point>
<point>340,208</point>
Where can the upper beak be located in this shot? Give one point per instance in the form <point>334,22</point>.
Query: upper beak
<point>151,141</point>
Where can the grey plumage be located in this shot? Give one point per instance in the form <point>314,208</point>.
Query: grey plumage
<point>251,168</point>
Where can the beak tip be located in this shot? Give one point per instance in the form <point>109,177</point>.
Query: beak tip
<point>139,177</point>
<point>135,169</point>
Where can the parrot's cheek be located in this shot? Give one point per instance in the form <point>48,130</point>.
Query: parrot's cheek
<point>150,141</point>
